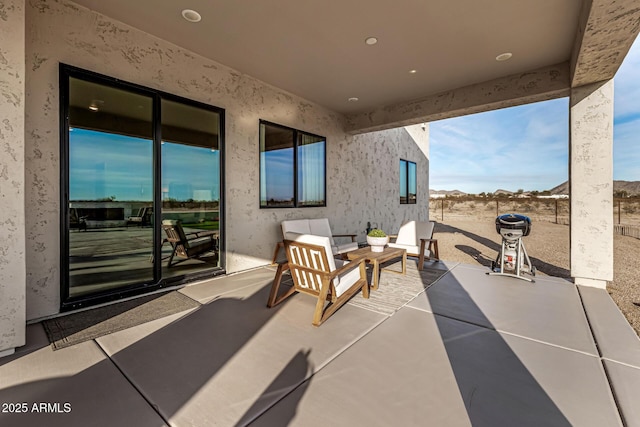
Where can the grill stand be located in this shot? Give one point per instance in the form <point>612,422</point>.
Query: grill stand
<point>522,261</point>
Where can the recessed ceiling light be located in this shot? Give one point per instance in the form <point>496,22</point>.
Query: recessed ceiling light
<point>504,56</point>
<point>191,15</point>
<point>354,99</point>
<point>413,71</point>
<point>371,41</point>
<point>95,104</point>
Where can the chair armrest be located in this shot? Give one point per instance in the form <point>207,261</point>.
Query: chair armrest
<point>353,236</point>
<point>198,234</point>
<point>207,233</point>
<point>333,274</point>
<point>348,266</point>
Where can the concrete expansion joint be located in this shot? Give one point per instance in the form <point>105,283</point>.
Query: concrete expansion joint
<point>586,353</point>
<point>608,359</point>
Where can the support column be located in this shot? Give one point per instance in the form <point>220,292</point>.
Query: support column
<point>591,183</point>
<point>12,176</point>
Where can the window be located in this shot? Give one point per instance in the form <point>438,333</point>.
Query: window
<point>407,182</point>
<point>292,167</point>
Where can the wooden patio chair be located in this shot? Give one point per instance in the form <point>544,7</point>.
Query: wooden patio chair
<point>416,237</point>
<point>187,245</point>
<point>315,272</point>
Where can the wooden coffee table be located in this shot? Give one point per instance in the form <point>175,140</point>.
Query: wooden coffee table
<point>376,258</point>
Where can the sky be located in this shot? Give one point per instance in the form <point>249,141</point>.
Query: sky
<point>526,147</point>
<point>104,165</point>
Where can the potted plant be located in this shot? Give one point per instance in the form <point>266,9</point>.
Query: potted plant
<point>377,239</point>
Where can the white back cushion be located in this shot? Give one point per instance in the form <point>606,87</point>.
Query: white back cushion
<point>300,226</point>
<point>312,239</point>
<point>313,262</point>
<point>412,231</point>
<point>407,235</point>
<point>320,227</point>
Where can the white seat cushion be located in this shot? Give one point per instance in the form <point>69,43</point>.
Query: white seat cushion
<point>412,249</point>
<point>346,280</point>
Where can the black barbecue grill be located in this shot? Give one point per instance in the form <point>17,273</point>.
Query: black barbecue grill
<point>518,225</point>
<point>513,259</point>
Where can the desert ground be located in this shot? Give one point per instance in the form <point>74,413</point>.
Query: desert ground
<point>468,234</point>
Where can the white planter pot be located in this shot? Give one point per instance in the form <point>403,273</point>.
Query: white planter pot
<point>377,243</point>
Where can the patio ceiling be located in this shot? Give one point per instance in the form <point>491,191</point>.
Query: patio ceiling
<point>317,50</point>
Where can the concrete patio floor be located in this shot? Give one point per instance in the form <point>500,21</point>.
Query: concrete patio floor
<point>472,349</point>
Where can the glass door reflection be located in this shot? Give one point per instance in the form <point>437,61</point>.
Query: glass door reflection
<point>190,189</point>
<point>110,188</point>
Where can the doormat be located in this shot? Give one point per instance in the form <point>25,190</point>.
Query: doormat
<point>73,329</point>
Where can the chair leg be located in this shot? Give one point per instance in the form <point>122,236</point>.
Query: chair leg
<point>320,314</point>
<point>365,287</point>
<point>435,250</point>
<point>273,295</point>
<point>171,258</point>
<point>421,256</point>
<point>339,302</point>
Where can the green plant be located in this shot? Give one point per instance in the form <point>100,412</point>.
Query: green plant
<point>376,232</point>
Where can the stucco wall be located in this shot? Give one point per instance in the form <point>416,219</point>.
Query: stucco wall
<point>12,236</point>
<point>362,171</point>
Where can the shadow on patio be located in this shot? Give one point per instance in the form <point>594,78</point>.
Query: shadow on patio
<point>453,347</point>
<point>478,255</point>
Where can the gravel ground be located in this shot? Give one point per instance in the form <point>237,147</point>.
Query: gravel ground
<point>476,242</point>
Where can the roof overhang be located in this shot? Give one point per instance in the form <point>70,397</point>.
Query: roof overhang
<point>317,50</point>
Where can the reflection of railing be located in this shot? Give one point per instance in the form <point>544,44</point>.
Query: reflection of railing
<point>199,218</point>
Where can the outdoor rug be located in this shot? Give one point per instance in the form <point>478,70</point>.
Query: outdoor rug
<point>75,328</point>
<point>395,290</point>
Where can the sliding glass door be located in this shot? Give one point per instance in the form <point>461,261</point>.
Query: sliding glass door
<point>138,166</point>
<point>191,184</point>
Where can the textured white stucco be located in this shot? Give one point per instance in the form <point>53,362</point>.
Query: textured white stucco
<point>12,236</point>
<point>362,171</point>
<point>591,183</point>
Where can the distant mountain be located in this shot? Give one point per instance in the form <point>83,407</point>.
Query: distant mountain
<point>560,189</point>
<point>631,187</point>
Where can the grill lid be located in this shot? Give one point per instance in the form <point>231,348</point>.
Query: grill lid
<point>514,222</point>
